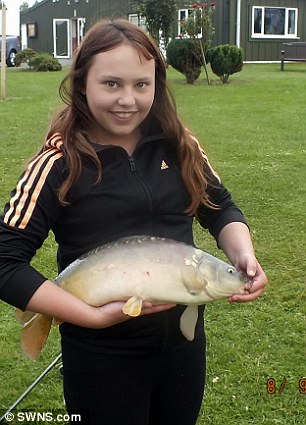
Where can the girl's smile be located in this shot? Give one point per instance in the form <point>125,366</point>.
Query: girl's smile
<point>123,116</point>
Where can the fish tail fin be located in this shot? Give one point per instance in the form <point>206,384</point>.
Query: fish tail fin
<point>35,331</point>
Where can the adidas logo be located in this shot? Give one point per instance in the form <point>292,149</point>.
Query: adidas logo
<point>164,165</point>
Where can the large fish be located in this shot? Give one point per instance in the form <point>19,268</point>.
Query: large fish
<point>138,269</point>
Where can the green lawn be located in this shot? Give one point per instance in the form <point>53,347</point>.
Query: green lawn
<point>254,131</point>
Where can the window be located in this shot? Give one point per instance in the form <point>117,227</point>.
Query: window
<point>183,15</point>
<point>32,30</point>
<point>138,20</point>
<point>274,22</point>
<point>62,38</point>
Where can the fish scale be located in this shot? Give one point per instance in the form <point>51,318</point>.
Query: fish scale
<point>138,269</point>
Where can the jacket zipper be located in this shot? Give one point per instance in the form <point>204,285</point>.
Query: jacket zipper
<point>132,164</point>
<point>144,186</point>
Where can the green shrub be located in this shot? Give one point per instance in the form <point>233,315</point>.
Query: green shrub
<point>45,62</point>
<point>37,61</point>
<point>24,56</point>
<point>225,60</point>
<point>182,56</point>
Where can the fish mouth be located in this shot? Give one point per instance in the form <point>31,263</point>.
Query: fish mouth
<point>244,279</point>
<point>247,286</point>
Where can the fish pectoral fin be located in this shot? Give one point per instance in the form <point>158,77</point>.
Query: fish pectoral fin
<point>188,321</point>
<point>196,285</point>
<point>133,306</point>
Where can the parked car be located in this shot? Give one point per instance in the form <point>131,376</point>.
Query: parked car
<point>12,47</point>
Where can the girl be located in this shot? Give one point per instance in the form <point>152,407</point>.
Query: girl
<point>116,162</point>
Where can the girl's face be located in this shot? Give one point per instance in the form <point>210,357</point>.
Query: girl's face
<point>120,89</point>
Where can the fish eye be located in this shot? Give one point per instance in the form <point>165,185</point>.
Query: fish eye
<point>231,270</point>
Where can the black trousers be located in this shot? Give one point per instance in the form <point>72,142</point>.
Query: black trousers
<point>164,388</point>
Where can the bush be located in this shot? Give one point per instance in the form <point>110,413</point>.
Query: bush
<point>182,56</point>
<point>45,62</point>
<point>37,61</point>
<point>24,56</point>
<point>225,60</point>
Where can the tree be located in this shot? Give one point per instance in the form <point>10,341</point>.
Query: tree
<point>181,56</point>
<point>200,28</point>
<point>159,16</point>
<point>24,6</point>
<point>225,60</point>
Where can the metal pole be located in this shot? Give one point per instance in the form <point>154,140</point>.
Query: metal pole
<point>3,52</point>
<point>51,365</point>
<point>238,23</point>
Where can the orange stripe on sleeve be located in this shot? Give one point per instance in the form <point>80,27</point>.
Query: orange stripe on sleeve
<point>55,141</point>
<point>205,157</point>
<point>19,190</point>
<point>22,193</point>
<point>37,190</point>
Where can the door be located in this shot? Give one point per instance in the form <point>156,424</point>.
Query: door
<point>77,32</point>
<point>24,37</point>
<point>61,38</point>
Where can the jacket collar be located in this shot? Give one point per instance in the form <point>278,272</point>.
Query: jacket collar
<point>144,140</point>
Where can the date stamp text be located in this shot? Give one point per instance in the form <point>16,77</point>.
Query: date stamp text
<point>277,386</point>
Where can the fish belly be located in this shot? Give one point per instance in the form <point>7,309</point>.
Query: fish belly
<point>150,271</point>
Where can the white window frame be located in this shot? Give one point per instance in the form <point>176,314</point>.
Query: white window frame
<point>283,36</point>
<point>68,41</point>
<point>179,20</point>
<point>138,20</point>
<point>187,13</point>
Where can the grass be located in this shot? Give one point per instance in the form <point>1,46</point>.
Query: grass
<point>254,131</point>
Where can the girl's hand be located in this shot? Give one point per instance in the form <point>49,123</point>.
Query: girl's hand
<point>236,242</point>
<point>111,314</point>
<point>53,301</point>
<point>249,265</point>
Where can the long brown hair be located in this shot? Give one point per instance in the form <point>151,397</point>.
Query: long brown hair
<point>74,120</point>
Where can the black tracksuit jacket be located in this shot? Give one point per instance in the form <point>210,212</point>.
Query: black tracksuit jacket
<point>142,194</point>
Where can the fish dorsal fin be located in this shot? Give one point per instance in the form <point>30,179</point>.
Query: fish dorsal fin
<point>188,321</point>
<point>133,306</point>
